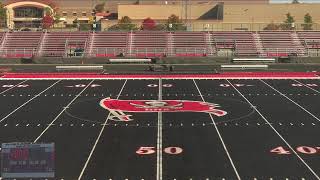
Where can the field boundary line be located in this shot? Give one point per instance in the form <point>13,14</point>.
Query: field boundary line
<point>219,134</point>
<point>99,136</point>
<point>280,136</point>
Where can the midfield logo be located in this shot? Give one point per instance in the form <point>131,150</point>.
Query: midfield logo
<point>117,108</point>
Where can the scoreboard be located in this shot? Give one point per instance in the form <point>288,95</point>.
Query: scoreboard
<point>27,160</point>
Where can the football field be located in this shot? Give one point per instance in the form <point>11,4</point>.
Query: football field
<point>168,128</point>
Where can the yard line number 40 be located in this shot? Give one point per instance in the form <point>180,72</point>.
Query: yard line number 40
<point>301,149</point>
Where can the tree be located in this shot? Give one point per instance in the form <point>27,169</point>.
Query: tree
<point>48,11</point>
<point>148,24</point>
<point>288,24</point>
<point>47,21</point>
<point>100,7</point>
<point>124,24</point>
<point>295,2</point>
<point>175,24</point>
<point>137,2</point>
<point>272,27</point>
<point>307,22</point>
<point>3,15</point>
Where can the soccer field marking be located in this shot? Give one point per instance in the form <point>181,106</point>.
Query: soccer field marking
<point>66,107</point>
<point>159,136</point>
<point>13,87</point>
<point>37,95</point>
<point>306,86</point>
<point>99,136</point>
<point>280,136</point>
<point>315,117</point>
<point>219,134</point>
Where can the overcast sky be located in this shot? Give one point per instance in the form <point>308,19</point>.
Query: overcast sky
<point>286,1</point>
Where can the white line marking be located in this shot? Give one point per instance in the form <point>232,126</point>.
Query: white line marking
<point>291,100</point>
<point>292,149</point>
<point>159,136</point>
<point>29,101</point>
<point>220,137</point>
<point>62,112</point>
<point>306,86</point>
<point>98,138</point>
<point>13,87</point>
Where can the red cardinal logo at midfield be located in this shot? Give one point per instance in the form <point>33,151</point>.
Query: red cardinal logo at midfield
<point>118,107</point>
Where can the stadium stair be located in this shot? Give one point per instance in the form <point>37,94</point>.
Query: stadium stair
<point>56,44</point>
<point>278,43</point>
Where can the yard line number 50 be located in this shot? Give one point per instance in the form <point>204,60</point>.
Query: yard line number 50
<point>152,150</point>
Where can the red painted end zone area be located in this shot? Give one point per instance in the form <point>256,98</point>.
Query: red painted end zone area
<point>235,75</point>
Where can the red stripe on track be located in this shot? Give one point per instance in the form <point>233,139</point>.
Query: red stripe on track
<point>130,76</point>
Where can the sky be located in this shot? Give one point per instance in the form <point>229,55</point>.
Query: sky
<point>288,1</point>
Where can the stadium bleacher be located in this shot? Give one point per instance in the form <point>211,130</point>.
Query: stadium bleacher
<point>107,44</point>
<point>157,44</point>
<point>189,44</point>
<point>242,42</point>
<point>311,39</point>
<point>20,44</point>
<point>148,44</point>
<point>281,43</point>
<point>55,44</point>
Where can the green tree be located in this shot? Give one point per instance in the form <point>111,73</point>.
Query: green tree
<point>3,15</point>
<point>288,24</point>
<point>124,24</point>
<point>295,2</point>
<point>175,24</point>
<point>47,11</point>
<point>307,22</point>
<point>272,27</point>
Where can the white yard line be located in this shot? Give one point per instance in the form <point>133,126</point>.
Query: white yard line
<point>99,136</point>
<point>49,125</point>
<point>307,86</point>
<point>280,136</point>
<point>159,136</point>
<point>220,137</point>
<point>291,100</point>
<point>12,87</point>
<point>28,101</point>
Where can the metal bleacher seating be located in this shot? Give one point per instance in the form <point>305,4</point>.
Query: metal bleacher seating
<point>280,43</point>
<point>187,44</point>
<point>242,42</point>
<point>107,44</point>
<point>56,44</point>
<point>311,39</point>
<point>20,44</point>
<point>148,44</point>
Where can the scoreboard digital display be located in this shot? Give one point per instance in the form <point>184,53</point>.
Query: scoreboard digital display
<point>27,160</point>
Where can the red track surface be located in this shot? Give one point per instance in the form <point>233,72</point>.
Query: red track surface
<point>137,76</point>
